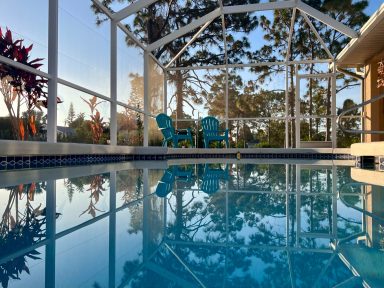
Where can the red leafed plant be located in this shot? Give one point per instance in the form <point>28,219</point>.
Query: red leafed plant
<point>21,90</point>
<point>97,125</point>
<point>96,188</point>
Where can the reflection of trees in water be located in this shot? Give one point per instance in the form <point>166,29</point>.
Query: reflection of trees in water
<point>96,190</point>
<point>252,219</point>
<point>94,184</point>
<point>130,184</point>
<point>348,226</point>
<point>21,229</point>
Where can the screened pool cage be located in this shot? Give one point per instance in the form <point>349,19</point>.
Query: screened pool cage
<point>157,85</point>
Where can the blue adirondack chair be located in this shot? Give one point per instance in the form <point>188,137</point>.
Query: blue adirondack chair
<point>165,125</point>
<point>212,177</point>
<point>211,131</point>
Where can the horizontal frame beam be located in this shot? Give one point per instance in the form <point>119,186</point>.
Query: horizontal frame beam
<point>101,96</point>
<point>157,61</point>
<point>104,9</point>
<point>184,30</point>
<point>327,20</point>
<point>24,67</point>
<point>271,118</point>
<point>282,63</point>
<point>266,247</point>
<point>259,7</point>
<point>130,35</point>
<point>68,231</point>
<point>189,43</point>
<point>132,9</point>
<point>83,89</point>
<point>312,27</point>
<point>119,24</point>
<point>319,75</point>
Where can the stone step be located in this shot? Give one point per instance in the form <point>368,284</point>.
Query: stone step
<point>371,177</point>
<point>368,149</point>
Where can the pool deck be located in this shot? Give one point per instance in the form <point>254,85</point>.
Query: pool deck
<point>17,148</point>
<point>25,155</point>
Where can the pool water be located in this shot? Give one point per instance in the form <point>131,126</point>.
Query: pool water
<point>198,225</point>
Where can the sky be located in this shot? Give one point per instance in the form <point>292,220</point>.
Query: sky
<point>83,49</point>
<point>373,5</point>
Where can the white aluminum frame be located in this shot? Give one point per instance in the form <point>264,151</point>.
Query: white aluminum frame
<point>300,117</point>
<point>203,22</point>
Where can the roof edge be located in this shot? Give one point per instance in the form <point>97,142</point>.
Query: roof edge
<point>373,21</point>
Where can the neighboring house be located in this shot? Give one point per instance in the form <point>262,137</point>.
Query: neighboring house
<point>366,53</point>
<point>63,131</point>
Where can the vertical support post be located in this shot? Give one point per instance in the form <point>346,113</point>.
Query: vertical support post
<point>226,232</point>
<point>146,97</point>
<point>50,248</point>
<point>146,216</point>
<point>286,107</point>
<point>165,217</point>
<point>287,204</point>
<point>226,97</point>
<point>297,108</point>
<point>298,204</point>
<point>165,91</point>
<point>112,229</point>
<point>334,202</point>
<point>226,64</point>
<point>113,91</point>
<point>53,48</point>
<point>333,107</point>
<point>362,113</point>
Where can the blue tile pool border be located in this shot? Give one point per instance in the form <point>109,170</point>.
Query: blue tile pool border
<point>46,161</point>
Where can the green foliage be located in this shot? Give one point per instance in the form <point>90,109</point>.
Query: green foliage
<point>306,46</point>
<point>71,115</point>
<point>346,139</point>
<point>20,231</point>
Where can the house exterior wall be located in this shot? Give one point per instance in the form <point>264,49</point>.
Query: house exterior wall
<point>374,113</point>
<point>375,204</point>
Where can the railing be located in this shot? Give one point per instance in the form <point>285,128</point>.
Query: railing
<point>341,194</point>
<point>355,131</point>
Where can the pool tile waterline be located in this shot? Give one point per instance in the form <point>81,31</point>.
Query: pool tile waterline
<point>45,161</point>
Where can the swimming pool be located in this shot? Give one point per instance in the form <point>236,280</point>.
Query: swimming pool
<point>152,224</point>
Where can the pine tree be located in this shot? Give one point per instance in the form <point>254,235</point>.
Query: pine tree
<point>71,115</point>
<point>305,45</point>
<point>164,17</point>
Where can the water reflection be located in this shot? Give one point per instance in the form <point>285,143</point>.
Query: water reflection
<point>209,225</point>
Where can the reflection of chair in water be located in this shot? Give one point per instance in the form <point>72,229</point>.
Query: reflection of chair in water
<point>212,177</point>
<point>170,133</point>
<point>182,174</point>
<point>164,186</point>
<point>172,174</point>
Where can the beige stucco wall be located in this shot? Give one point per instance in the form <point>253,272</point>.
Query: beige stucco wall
<point>374,113</point>
<point>374,204</point>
